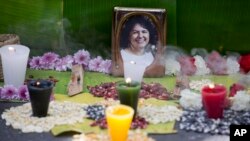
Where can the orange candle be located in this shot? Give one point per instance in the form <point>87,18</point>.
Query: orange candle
<point>119,118</point>
<point>213,98</point>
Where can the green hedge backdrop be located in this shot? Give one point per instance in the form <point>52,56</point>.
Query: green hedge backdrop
<point>65,26</point>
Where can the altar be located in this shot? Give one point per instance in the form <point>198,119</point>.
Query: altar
<point>172,132</point>
<point>150,71</point>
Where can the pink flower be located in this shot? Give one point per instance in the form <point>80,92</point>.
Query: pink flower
<point>48,60</point>
<point>105,66</point>
<point>94,64</point>
<point>187,65</point>
<point>35,62</point>
<point>216,63</point>
<point>234,88</point>
<point>9,92</point>
<point>82,57</point>
<point>23,92</point>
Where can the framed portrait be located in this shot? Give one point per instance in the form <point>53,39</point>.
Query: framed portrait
<point>139,37</point>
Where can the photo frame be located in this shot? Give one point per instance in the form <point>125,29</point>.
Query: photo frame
<point>123,17</point>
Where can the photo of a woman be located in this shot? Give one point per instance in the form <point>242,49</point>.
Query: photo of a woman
<point>138,40</point>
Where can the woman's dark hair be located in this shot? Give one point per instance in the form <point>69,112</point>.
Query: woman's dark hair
<point>128,25</point>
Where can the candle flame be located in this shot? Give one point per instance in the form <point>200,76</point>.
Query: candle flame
<point>11,49</point>
<point>37,83</point>
<point>211,86</point>
<point>128,80</point>
<point>132,62</point>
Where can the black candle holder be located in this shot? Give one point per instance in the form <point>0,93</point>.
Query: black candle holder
<point>40,91</point>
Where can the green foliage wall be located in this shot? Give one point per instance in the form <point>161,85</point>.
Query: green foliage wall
<point>222,25</point>
<point>37,22</point>
<point>91,22</point>
<point>65,26</point>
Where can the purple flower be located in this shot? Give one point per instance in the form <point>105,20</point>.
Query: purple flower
<point>68,61</point>
<point>48,60</point>
<point>105,66</point>
<point>94,64</point>
<point>23,92</point>
<point>82,57</point>
<point>52,61</point>
<point>35,62</point>
<point>64,63</point>
<point>9,92</point>
<point>60,65</point>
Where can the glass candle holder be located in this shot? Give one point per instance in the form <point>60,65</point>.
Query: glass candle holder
<point>213,98</point>
<point>14,64</point>
<point>134,71</point>
<point>128,93</point>
<point>119,118</point>
<point>40,91</point>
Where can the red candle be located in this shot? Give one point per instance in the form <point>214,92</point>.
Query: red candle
<point>213,98</point>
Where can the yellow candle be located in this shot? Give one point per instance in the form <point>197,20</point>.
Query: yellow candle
<point>119,118</point>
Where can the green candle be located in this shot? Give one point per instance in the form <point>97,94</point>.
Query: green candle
<point>128,93</point>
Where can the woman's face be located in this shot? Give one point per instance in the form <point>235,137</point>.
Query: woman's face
<point>139,37</point>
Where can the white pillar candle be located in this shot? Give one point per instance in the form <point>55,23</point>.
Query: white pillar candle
<point>14,63</point>
<point>134,71</point>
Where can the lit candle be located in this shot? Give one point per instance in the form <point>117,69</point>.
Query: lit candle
<point>213,98</point>
<point>119,118</point>
<point>14,64</point>
<point>134,71</point>
<point>40,91</point>
<point>128,81</point>
<point>128,92</point>
<point>11,49</point>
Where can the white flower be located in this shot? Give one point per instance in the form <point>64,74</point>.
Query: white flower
<point>241,101</point>
<point>201,66</point>
<point>156,115</point>
<point>59,113</point>
<point>190,100</point>
<point>197,85</point>
<point>172,66</point>
<point>232,65</point>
